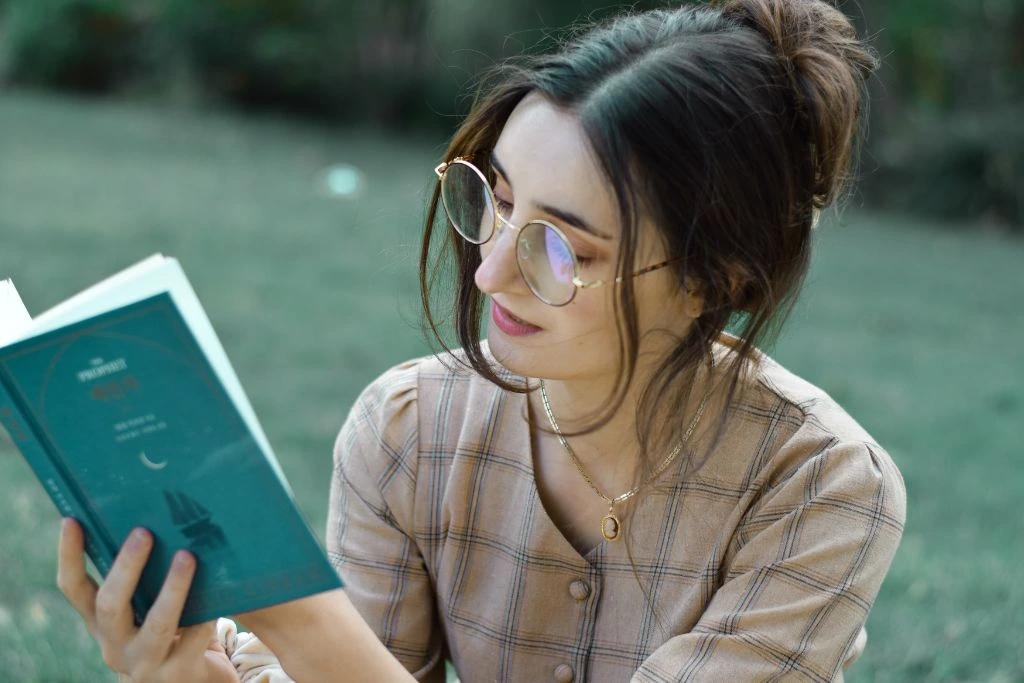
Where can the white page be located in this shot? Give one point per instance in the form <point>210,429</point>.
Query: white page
<point>150,277</point>
<point>14,317</point>
<point>66,311</point>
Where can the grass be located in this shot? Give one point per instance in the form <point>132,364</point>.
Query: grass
<point>916,330</point>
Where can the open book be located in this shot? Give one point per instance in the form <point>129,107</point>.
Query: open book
<point>125,405</point>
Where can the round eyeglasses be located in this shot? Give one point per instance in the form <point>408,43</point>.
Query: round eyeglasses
<point>544,256</point>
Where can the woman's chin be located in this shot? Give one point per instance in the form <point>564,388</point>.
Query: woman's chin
<point>510,355</point>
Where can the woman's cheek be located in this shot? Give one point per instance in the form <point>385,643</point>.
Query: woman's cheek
<point>594,312</point>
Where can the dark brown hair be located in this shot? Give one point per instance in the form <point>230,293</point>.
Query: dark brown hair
<point>731,125</point>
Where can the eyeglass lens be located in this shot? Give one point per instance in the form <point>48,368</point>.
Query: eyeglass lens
<point>544,257</point>
<point>467,201</point>
<point>546,263</point>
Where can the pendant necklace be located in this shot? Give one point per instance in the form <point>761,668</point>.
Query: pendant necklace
<point>611,526</point>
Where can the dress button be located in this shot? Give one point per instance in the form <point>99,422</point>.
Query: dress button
<point>579,590</point>
<point>564,673</point>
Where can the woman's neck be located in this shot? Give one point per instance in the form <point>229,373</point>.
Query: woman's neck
<point>578,403</point>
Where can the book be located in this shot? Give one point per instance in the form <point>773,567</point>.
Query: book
<point>123,402</point>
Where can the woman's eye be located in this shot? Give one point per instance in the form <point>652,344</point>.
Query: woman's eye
<point>504,208</point>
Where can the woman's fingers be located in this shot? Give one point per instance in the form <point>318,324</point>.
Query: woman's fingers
<point>72,579</point>
<point>107,610</point>
<point>161,623</point>
<point>114,615</point>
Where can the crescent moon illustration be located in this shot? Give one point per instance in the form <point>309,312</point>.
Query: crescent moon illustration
<point>150,464</point>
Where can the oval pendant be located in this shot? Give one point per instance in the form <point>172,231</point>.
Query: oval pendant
<point>610,526</point>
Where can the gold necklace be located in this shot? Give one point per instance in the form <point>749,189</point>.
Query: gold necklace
<point>611,526</point>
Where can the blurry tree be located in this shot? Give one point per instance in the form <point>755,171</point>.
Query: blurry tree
<point>85,45</point>
<point>343,59</point>
<point>947,138</point>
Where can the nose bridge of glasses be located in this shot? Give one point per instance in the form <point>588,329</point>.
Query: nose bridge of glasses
<point>502,232</point>
<point>506,234</point>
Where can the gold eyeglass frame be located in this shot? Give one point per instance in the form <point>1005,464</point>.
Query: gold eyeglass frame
<point>577,282</point>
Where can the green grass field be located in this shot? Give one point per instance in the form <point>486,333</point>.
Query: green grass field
<point>916,329</point>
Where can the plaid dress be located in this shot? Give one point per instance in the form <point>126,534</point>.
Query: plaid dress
<point>760,565</point>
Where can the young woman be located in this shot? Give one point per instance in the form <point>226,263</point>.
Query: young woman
<point>610,485</point>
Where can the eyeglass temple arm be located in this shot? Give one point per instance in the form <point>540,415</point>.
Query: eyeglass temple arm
<point>598,283</point>
<point>656,266</point>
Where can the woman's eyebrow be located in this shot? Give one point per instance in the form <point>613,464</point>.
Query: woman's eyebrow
<point>564,216</point>
<point>573,220</point>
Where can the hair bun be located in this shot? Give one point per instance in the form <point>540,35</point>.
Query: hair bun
<point>828,66</point>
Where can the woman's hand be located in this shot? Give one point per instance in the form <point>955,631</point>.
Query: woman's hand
<point>158,650</point>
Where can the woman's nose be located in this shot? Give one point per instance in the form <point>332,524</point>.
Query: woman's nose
<point>498,271</point>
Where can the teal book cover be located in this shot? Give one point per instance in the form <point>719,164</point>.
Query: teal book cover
<point>126,424</point>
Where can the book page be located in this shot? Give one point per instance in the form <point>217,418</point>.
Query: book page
<point>74,309</point>
<point>14,317</point>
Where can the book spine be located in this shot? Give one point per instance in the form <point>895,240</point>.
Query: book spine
<point>61,492</point>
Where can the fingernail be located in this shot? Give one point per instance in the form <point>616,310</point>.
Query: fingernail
<point>183,560</point>
<point>139,537</point>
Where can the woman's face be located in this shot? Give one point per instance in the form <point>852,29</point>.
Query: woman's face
<point>545,169</point>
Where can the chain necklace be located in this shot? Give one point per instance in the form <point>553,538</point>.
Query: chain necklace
<point>611,526</point>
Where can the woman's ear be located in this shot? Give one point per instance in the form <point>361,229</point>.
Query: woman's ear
<point>693,300</point>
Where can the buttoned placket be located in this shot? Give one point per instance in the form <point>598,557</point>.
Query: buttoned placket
<point>584,591</point>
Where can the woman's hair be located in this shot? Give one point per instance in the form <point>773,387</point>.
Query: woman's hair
<point>730,125</point>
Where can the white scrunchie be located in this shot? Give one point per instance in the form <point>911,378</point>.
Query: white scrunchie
<point>253,661</point>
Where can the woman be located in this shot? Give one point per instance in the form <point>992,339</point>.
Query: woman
<point>610,485</point>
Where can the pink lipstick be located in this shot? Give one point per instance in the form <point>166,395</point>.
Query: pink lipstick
<point>509,324</point>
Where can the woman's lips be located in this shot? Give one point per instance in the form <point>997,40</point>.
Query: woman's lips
<point>510,324</point>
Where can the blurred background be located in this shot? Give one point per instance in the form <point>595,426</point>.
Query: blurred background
<point>283,151</point>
